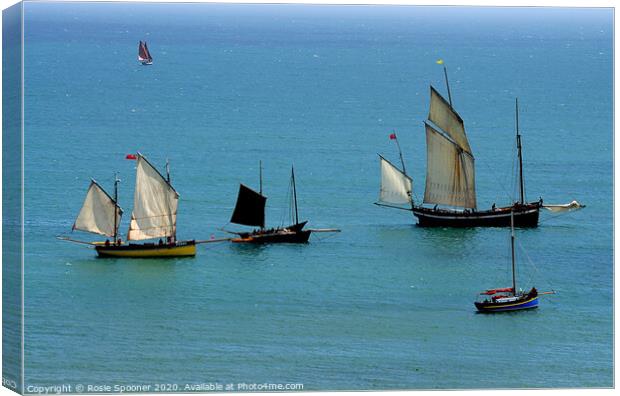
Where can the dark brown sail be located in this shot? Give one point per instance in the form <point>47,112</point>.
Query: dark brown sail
<point>148,53</point>
<point>250,208</point>
<point>144,56</point>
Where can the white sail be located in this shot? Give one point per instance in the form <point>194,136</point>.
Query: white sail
<point>450,178</point>
<point>442,115</point>
<point>155,204</point>
<point>97,213</point>
<point>396,187</point>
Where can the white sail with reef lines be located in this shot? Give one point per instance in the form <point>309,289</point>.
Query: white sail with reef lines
<point>443,115</point>
<point>450,170</point>
<point>155,204</point>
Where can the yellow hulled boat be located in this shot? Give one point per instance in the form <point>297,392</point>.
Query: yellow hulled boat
<point>177,249</point>
<point>154,216</point>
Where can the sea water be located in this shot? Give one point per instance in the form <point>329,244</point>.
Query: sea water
<point>383,304</point>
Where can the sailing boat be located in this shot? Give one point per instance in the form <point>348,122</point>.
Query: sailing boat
<point>144,56</point>
<point>450,178</point>
<point>508,298</point>
<point>154,216</point>
<point>250,211</point>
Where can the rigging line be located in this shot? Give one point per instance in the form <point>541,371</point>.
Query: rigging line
<point>222,228</point>
<point>290,202</point>
<point>518,181</point>
<point>414,197</point>
<point>531,262</point>
<point>287,211</point>
<point>321,239</point>
<point>553,217</point>
<point>508,259</point>
<point>294,213</point>
<point>513,174</point>
<point>512,178</point>
<point>498,180</point>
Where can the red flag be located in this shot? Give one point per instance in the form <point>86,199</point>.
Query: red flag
<point>131,157</point>
<point>392,136</point>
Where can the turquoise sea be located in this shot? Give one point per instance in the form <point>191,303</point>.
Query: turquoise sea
<point>383,304</point>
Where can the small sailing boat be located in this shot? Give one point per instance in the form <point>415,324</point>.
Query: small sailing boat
<point>250,211</point>
<point>144,56</point>
<point>508,298</point>
<point>450,178</point>
<point>154,216</point>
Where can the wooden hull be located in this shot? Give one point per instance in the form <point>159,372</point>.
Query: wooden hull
<point>291,234</point>
<point>524,216</point>
<point>148,250</point>
<point>525,303</point>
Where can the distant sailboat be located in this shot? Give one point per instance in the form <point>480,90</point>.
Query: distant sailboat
<point>250,211</point>
<point>144,56</point>
<point>154,216</point>
<point>509,298</point>
<point>450,178</point>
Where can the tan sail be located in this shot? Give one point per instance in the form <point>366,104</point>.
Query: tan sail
<point>155,204</point>
<point>442,115</point>
<point>450,178</point>
<point>396,187</point>
<point>97,213</point>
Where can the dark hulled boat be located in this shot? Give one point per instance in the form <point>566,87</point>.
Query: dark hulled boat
<point>450,178</point>
<point>526,215</point>
<point>500,302</point>
<point>508,298</point>
<point>250,211</point>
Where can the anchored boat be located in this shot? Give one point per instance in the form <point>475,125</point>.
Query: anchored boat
<point>250,211</point>
<point>508,298</point>
<point>154,216</point>
<point>450,178</point>
<point>144,56</point>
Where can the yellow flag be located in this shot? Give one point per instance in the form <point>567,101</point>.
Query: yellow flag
<point>439,61</point>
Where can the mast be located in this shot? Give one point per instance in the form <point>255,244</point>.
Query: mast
<point>174,229</point>
<point>294,194</point>
<point>512,246</point>
<point>116,181</point>
<point>260,176</point>
<point>445,72</point>
<point>402,161</point>
<point>521,189</point>
<point>168,170</point>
